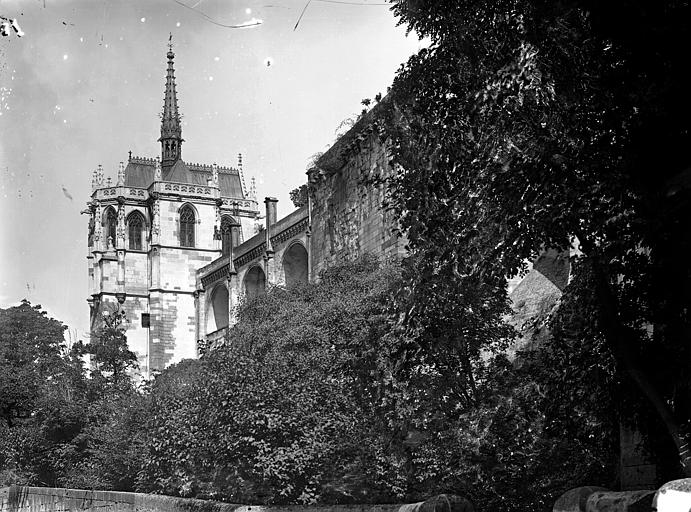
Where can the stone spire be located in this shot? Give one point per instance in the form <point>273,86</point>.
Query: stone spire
<point>171,128</point>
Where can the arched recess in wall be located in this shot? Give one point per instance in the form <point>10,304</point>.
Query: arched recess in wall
<point>135,231</point>
<point>295,265</point>
<point>187,221</point>
<point>110,225</point>
<point>255,281</point>
<point>229,233</point>
<point>217,316</point>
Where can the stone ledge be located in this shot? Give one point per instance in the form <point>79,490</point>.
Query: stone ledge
<point>46,499</point>
<point>575,500</point>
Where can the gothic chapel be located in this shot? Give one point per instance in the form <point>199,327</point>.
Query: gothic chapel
<point>152,229</point>
<point>175,245</point>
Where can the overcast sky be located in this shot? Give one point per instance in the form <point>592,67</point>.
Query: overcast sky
<point>85,85</point>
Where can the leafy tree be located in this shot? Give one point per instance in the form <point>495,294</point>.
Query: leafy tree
<point>527,125</point>
<point>107,452</point>
<point>111,447</point>
<point>536,426</point>
<point>62,428</point>
<point>30,354</point>
<point>289,410</point>
<point>42,390</point>
<point>111,358</point>
<point>299,196</point>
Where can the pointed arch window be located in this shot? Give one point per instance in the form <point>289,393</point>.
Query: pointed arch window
<point>111,227</point>
<point>229,234</point>
<point>187,227</point>
<point>135,230</point>
<point>225,236</point>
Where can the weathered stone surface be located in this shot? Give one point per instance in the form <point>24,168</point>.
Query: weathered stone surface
<point>627,501</point>
<point>348,219</point>
<point>46,499</point>
<point>674,496</point>
<point>575,499</point>
<point>440,503</point>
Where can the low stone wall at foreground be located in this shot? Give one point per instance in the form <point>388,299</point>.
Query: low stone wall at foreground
<point>46,499</point>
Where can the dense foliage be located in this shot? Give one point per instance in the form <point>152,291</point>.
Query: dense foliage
<point>288,410</point>
<point>312,400</point>
<point>319,395</point>
<point>299,196</point>
<point>64,426</point>
<point>526,125</point>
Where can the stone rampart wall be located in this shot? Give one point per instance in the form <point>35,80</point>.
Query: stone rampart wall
<point>347,215</point>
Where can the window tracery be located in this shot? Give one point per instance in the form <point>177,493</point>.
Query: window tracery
<point>135,227</point>
<point>187,221</point>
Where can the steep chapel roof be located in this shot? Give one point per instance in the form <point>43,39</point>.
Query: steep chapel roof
<point>140,173</point>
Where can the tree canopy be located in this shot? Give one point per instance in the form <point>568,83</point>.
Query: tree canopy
<point>528,125</point>
<point>62,425</point>
<point>286,411</point>
<point>30,354</point>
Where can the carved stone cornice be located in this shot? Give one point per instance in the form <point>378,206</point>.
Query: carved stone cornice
<point>290,232</point>
<point>250,255</point>
<point>216,275</point>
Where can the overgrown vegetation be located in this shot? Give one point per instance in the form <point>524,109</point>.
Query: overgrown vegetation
<point>528,125</point>
<point>319,395</point>
<point>63,426</point>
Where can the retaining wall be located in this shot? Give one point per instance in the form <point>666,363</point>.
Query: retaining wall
<point>45,499</point>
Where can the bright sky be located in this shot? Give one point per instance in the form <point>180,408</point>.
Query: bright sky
<point>85,85</point>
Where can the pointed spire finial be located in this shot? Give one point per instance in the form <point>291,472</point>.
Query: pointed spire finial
<point>171,128</point>
<point>170,47</point>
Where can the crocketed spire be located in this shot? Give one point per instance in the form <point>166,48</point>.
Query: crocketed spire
<point>171,128</point>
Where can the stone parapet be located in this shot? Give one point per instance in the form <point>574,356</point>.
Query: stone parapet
<point>46,499</point>
<point>131,193</point>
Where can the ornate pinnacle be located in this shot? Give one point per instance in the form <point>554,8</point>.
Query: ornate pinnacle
<point>214,174</point>
<point>121,175</point>
<point>157,170</point>
<point>242,175</point>
<point>253,189</point>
